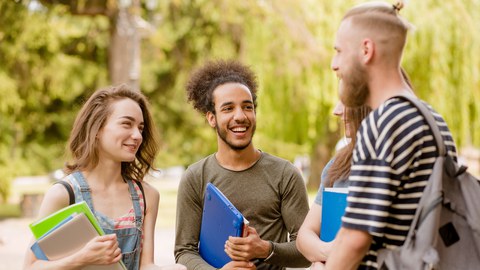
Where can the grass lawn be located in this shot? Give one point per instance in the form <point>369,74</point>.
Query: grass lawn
<point>167,209</point>
<point>10,211</point>
<point>168,202</point>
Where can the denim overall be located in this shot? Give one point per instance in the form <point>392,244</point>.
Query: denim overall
<point>129,239</point>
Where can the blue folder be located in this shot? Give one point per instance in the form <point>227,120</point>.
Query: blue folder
<point>334,203</point>
<point>220,220</point>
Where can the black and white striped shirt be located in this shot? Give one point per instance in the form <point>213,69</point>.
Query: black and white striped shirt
<point>392,161</point>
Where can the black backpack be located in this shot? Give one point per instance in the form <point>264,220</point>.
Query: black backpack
<point>445,232</point>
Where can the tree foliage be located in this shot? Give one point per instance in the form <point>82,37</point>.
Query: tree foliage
<point>49,64</point>
<point>53,59</point>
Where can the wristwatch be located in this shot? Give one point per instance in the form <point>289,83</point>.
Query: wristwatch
<point>272,251</point>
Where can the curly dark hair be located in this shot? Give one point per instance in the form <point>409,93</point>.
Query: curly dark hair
<point>205,79</point>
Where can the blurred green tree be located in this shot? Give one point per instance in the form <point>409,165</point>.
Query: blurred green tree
<point>50,63</point>
<point>52,60</point>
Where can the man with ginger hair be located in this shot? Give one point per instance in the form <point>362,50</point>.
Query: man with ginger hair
<point>395,150</point>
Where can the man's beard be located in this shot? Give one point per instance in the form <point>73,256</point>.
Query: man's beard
<point>223,135</point>
<point>355,89</point>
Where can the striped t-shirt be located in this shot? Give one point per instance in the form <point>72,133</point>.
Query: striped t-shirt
<point>128,219</point>
<point>392,160</point>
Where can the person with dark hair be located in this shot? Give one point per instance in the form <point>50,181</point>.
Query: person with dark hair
<point>335,174</point>
<point>395,149</point>
<point>113,145</point>
<point>269,191</point>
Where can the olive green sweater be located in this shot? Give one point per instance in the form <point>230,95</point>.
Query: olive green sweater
<point>271,195</point>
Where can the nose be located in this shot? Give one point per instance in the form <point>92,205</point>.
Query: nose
<point>239,115</point>
<point>137,134</point>
<point>334,64</point>
<point>339,109</point>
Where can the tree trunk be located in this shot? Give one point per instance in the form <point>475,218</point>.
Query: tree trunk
<point>124,49</point>
<point>321,154</point>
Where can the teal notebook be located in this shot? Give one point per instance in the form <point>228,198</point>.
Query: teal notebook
<point>334,203</point>
<point>44,225</point>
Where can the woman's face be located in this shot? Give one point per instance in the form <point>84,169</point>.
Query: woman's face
<point>121,136</point>
<point>339,111</point>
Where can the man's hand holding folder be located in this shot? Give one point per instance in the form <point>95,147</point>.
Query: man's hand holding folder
<point>248,247</point>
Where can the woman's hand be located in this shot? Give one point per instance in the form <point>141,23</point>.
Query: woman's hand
<point>100,250</point>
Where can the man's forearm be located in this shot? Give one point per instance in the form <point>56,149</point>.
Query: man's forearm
<point>349,249</point>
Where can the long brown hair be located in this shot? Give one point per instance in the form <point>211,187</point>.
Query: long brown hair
<point>340,169</point>
<point>90,120</point>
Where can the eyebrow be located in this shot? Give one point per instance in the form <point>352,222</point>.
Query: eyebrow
<point>129,118</point>
<point>230,103</point>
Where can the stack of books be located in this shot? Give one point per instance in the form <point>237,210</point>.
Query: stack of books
<point>65,232</point>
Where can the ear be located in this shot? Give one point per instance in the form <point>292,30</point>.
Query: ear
<point>368,50</point>
<point>212,121</point>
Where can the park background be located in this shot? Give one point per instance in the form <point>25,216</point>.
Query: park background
<point>55,53</point>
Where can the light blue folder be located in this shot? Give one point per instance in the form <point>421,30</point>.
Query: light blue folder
<point>333,207</point>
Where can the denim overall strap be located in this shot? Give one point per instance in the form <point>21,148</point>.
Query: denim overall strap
<point>84,189</point>
<point>130,239</point>
<point>136,205</point>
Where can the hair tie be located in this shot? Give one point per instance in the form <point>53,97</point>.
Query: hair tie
<point>398,6</point>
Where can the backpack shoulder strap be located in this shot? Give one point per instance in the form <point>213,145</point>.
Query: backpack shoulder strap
<point>139,183</point>
<point>71,197</point>
<point>427,114</point>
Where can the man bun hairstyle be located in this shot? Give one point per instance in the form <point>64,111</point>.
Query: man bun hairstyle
<point>398,6</point>
<point>380,20</point>
<point>212,74</point>
<point>380,14</point>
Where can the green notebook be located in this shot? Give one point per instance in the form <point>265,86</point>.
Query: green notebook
<point>42,226</point>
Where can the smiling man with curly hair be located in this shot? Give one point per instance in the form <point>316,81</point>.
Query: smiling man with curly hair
<point>269,191</point>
